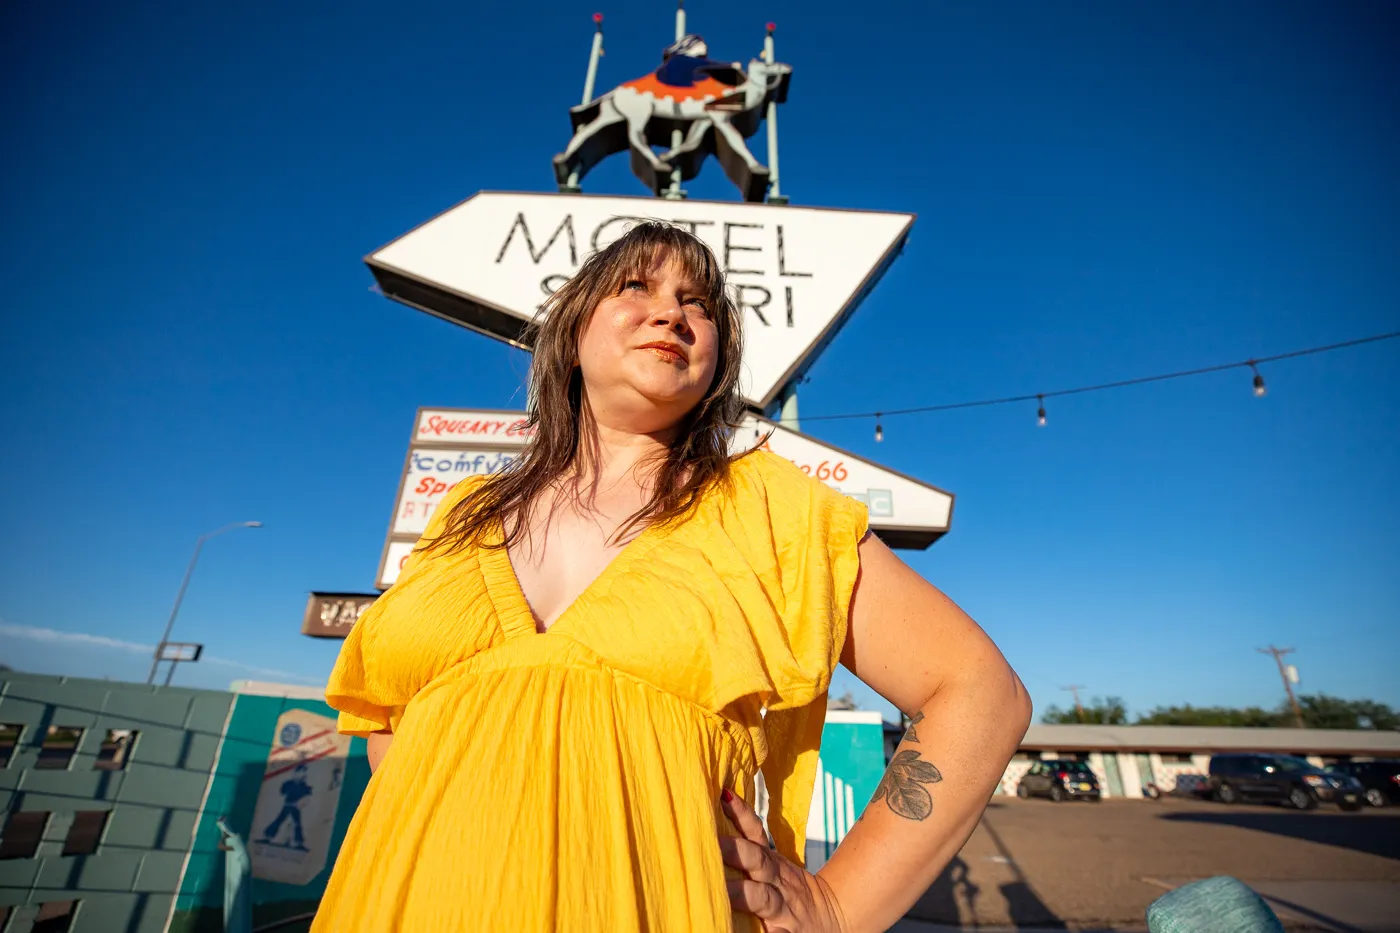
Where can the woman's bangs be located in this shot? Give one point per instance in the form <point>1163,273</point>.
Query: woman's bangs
<point>642,247</point>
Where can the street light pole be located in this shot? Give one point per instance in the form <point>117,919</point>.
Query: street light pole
<point>184,585</point>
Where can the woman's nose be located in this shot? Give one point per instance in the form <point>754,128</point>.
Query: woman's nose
<point>669,314</point>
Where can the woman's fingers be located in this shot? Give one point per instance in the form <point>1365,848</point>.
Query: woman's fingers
<point>752,897</point>
<point>749,857</point>
<point>743,817</point>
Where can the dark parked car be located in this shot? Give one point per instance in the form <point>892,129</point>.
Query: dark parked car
<point>1059,779</point>
<point>1282,779</point>
<point>1380,779</point>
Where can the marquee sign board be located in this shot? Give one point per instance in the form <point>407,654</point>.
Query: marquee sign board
<point>448,445</point>
<point>904,512</point>
<point>396,554</point>
<point>797,272</point>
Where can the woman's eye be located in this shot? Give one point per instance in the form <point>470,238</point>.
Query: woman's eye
<point>634,283</point>
<point>704,309</point>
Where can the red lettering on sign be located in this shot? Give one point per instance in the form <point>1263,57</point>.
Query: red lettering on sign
<point>469,427</point>
<point>431,486</point>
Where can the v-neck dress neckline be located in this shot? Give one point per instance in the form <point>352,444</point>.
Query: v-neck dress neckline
<point>508,597</point>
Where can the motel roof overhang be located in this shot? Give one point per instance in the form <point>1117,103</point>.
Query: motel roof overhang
<point>1203,739</point>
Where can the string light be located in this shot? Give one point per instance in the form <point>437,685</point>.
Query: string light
<point>879,431</point>
<point>1040,397</point>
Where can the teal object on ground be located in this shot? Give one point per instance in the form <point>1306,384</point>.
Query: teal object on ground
<point>238,883</point>
<point>1215,905</point>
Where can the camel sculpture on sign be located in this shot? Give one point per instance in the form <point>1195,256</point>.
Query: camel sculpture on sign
<point>717,105</point>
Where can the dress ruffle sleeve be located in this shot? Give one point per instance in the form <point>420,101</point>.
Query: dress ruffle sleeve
<point>369,695</point>
<point>816,532</point>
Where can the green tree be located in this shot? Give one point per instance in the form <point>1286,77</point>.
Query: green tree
<point>1251,716</point>
<point>1379,715</point>
<point>1321,711</point>
<point>1099,712</point>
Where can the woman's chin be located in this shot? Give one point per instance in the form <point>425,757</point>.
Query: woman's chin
<point>674,400</point>
<point>666,389</point>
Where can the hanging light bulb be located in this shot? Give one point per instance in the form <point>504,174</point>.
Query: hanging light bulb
<point>879,431</point>
<point>1040,414</point>
<point>1259,390</point>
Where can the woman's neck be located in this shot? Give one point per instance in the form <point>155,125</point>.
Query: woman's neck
<point>610,454</point>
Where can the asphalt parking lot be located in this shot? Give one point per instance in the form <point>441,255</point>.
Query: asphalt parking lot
<point>1035,864</point>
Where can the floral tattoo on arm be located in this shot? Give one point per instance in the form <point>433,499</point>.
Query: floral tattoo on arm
<point>902,787</point>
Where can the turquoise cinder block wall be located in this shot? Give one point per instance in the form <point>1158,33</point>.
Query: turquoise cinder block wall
<point>852,763</point>
<point>151,802</point>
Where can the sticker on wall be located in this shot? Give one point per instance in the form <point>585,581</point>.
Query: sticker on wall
<point>291,835</point>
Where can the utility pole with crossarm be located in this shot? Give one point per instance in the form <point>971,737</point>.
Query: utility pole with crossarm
<point>1278,654</point>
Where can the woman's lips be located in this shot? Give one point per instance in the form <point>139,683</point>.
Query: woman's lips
<point>667,352</point>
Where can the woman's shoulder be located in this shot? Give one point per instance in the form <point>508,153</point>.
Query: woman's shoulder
<point>764,470</point>
<point>762,479</point>
<point>452,498</point>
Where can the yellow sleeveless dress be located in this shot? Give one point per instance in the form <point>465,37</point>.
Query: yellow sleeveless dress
<point>570,781</point>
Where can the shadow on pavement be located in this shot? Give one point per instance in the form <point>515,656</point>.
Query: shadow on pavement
<point>952,899</point>
<point>1326,921</point>
<point>1377,835</point>
<point>1027,909</point>
<point>1022,903</point>
<point>939,903</point>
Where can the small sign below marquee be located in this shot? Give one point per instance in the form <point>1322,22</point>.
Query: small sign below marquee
<point>333,615</point>
<point>904,512</point>
<point>797,272</point>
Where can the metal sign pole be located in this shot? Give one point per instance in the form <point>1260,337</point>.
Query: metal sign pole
<point>775,194</point>
<point>674,193</point>
<point>589,78</point>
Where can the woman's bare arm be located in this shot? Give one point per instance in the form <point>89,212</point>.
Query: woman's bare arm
<point>378,745</point>
<point>917,649</point>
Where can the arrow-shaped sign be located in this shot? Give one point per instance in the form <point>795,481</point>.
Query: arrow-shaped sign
<point>797,272</point>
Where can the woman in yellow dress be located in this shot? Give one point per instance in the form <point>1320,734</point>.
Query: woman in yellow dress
<point>587,661</point>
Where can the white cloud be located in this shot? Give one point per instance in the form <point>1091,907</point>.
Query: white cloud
<point>55,636</point>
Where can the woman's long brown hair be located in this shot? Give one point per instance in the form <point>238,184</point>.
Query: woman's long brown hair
<point>699,454</point>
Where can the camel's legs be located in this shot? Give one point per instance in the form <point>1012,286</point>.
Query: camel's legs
<point>743,169</point>
<point>568,160</point>
<point>638,109</point>
<point>736,141</point>
<point>694,139</point>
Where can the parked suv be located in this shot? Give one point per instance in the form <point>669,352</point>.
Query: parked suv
<point>1059,779</point>
<point>1280,778</point>
<point>1380,779</point>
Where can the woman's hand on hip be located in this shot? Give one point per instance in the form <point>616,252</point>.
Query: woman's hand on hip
<point>784,896</point>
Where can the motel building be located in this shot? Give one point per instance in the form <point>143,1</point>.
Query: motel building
<point>1175,758</point>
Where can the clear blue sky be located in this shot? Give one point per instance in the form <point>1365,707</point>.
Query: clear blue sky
<point>1104,190</point>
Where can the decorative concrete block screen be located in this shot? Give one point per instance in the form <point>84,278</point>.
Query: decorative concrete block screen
<point>101,785</point>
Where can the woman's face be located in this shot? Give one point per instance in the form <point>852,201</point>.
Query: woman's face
<point>649,353</point>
